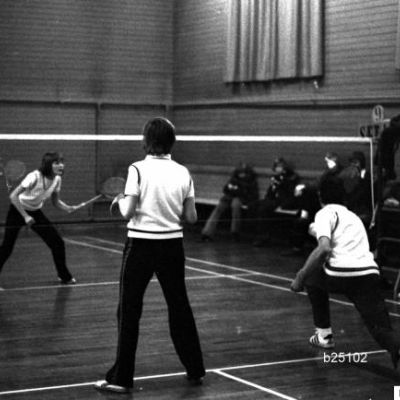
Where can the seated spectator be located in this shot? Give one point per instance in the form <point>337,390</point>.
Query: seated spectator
<point>241,189</point>
<point>391,194</point>
<point>390,139</point>
<point>357,185</point>
<point>280,193</point>
<point>308,202</point>
<point>333,166</point>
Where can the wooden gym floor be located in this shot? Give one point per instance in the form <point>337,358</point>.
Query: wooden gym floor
<point>56,341</point>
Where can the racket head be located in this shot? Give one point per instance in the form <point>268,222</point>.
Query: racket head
<point>113,186</point>
<point>14,170</point>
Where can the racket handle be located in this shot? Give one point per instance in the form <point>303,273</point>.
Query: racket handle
<point>90,201</point>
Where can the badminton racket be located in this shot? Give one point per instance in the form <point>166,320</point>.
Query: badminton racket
<point>13,172</point>
<point>373,218</point>
<point>110,188</point>
<point>396,294</point>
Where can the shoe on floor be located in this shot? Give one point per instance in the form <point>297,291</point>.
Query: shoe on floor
<point>206,238</point>
<point>71,281</point>
<point>395,358</point>
<point>109,387</point>
<point>261,243</point>
<point>235,236</point>
<point>194,381</point>
<point>324,343</point>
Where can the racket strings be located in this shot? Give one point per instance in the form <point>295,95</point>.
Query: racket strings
<point>113,186</point>
<point>14,170</point>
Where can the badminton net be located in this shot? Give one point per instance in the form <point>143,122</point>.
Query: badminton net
<point>92,159</point>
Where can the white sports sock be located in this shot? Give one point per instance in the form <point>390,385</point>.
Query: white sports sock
<point>324,332</point>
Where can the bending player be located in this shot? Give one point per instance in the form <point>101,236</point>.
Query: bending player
<point>27,199</point>
<point>343,263</point>
<point>159,196</point>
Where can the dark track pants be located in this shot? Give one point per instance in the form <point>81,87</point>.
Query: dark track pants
<point>365,293</point>
<point>141,259</point>
<point>44,228</point>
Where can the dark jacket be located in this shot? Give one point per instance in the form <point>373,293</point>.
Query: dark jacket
<point>390,139</point>
<point>282,188</point>
<point>242,184</point>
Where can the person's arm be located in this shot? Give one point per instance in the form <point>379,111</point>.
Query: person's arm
<point>315,260</point>
<point>14,198</point>
<point>189,210</point>
<point>126,204</point>
<point>61,205</point>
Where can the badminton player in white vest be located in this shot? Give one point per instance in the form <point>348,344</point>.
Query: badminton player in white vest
<point>27,199</point>
<point>342,263</point>
<point>158,198</point>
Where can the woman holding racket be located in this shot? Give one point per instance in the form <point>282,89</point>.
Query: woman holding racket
<point>27,199</point>
<point>159,196</point>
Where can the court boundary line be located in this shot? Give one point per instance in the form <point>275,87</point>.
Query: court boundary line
<point>218,371</point>
<point>206,262</point>
<point>254,385</point>
<point>333,300</point>
<point>172,374</point>
<point>279,277</point>
<point>111,283</point>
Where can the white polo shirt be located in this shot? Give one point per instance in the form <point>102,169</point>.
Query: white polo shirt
<point>350,254</point>
<point>37,190</point>
<point>162,185</point>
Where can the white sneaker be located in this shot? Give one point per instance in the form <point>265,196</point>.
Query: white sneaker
<point>109,387</point>
<point>72,281</point>
<point>325,343</point>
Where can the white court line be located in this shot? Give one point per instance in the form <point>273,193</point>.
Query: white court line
<point>160,376</point>
<point>346,303</point>
<point>112,242</point>
<point>219,370</point>
<point>250,272</point>
<point>92,246</point>
<point>280,277</point>
<point>255,386</point>
<point>275,286</point>
<point>77,285</point>
<point>396,302</point>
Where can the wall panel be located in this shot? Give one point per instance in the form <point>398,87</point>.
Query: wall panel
<point>359,73</point>
<point>86,50</point>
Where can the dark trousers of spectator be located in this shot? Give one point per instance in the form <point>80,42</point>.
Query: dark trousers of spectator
<point>224,204</point>
<point>141,259</point>
<point>44,228</point>
<point>262,213</point>
<point>299,232</point>
<point>365,293</point>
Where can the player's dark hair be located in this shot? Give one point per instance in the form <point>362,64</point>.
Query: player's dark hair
<point>360,157</point>
<point>286,166</point>
<point>46,167</point>
<point>158,136</point>
<point>331,190</point>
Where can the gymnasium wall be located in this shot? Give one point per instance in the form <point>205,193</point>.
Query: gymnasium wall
<point>103,50</point>
<point>359,73</point>
<point>82,67</point>
<point>70,66</point>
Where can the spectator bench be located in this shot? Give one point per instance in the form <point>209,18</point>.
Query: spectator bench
<point>210,179</point>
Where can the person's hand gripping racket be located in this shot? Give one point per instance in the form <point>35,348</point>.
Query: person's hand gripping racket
<point>110,188</point>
